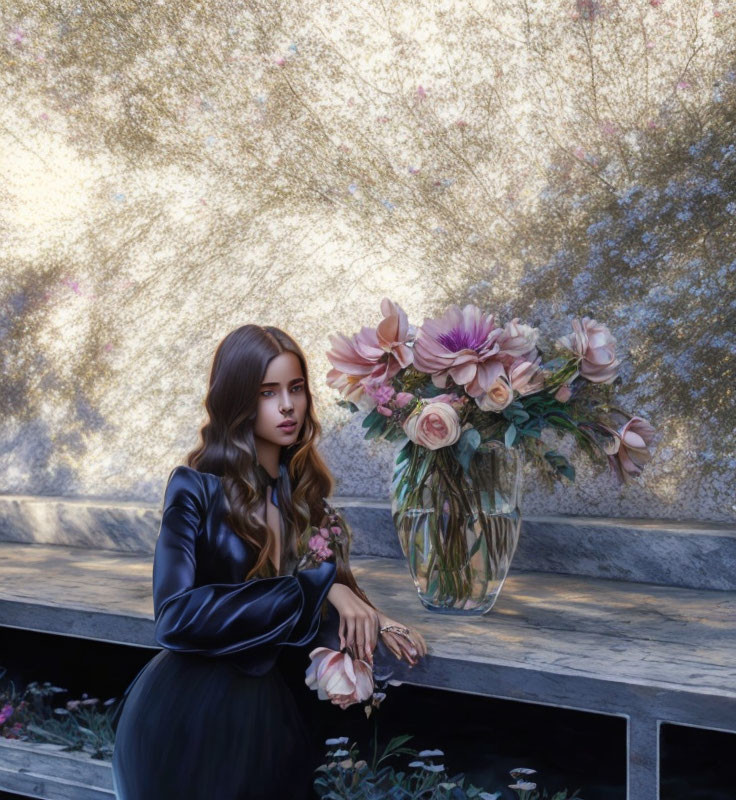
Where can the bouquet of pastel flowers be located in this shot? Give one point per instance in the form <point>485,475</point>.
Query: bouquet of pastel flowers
<point>465,378</point>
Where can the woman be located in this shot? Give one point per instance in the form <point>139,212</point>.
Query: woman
<point>211,715</point>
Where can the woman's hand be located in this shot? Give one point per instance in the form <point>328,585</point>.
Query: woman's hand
<point>411,648</point>
<point>359,622</point>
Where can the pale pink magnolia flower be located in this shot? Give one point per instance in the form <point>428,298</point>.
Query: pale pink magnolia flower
<point>630,444</point>
<point>436,425</point>
<point>460,345</point>
<point>525,376</point>
<point>337,677</point>
<point>498,396</point>
<point>376,354</point>
<point>516,340</point>
<point>593,343</point>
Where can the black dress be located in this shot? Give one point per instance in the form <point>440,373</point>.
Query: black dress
<point>211,716</point>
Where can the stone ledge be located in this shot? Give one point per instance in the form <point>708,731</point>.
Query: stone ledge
<point>670,640</point>
<point>665,552</point>
<point>45,770</point>
<point>643,652</point>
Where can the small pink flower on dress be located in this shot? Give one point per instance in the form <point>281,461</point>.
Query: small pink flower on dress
<point>593,343</point>
<point>338,677</point>
<point>320,548</point>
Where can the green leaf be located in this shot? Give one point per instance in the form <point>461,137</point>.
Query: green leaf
<point>510,437</point>
<point>349,405</point>
<point>371,418</point>
<point>430,390</point>
<point>378,427</point>
<point>560,464</point>
<point>465,447</point>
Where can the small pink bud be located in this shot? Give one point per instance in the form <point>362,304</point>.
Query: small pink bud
<point>563,394</point>
<point>403,398</point>
<point>385,411</point>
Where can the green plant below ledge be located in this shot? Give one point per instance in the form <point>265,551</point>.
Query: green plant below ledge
<point>351,778</point>
<point>34,715</point>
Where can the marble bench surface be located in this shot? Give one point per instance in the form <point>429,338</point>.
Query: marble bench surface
<point>634,634</point>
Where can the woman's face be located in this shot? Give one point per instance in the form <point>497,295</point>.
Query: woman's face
<point>282,397</point>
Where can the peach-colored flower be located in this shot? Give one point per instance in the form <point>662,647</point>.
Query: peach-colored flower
<point>339,678</point>
<point>525,375</point>
<point>498,396</point>
<point>375,354</point>
<point>459,345</point>
<point>593,343</point>
<point>436,425</point>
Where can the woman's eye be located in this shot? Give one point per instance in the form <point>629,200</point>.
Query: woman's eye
<point>270,391</point>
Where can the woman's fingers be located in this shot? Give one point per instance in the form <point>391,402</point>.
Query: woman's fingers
<point>350,633</point>
<point>360,639</point>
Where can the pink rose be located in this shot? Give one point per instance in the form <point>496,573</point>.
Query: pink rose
<point>337,677</point>
<point>592,342</point>
<point>436,425</point>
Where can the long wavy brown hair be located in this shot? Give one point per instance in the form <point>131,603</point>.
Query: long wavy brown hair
<point>227,448</point>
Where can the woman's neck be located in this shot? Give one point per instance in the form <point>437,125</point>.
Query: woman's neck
<point>268,454</point>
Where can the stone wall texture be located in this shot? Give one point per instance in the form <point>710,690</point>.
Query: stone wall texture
<point>173,170</point>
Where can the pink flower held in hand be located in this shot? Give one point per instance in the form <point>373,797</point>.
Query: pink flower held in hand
<point>593,343</point>
<point>337,677</point>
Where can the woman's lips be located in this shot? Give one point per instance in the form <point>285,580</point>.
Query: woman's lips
<point>288,426</point>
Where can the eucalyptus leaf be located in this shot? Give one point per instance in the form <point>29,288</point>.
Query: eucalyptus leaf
<point>510,437</point>
<point>371,418</point>
<point>465,447</point>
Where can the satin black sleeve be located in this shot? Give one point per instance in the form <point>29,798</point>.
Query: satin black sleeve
<point>250,620</point>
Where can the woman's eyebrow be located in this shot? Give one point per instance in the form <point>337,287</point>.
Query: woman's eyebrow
<point>293,380</point>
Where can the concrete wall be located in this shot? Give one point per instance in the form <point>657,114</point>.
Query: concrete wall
<point>169,175</point>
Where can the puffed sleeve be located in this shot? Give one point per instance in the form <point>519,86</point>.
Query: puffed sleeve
<point>248,621</point>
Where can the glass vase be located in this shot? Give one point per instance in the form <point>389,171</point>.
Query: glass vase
<point>458,529</point>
